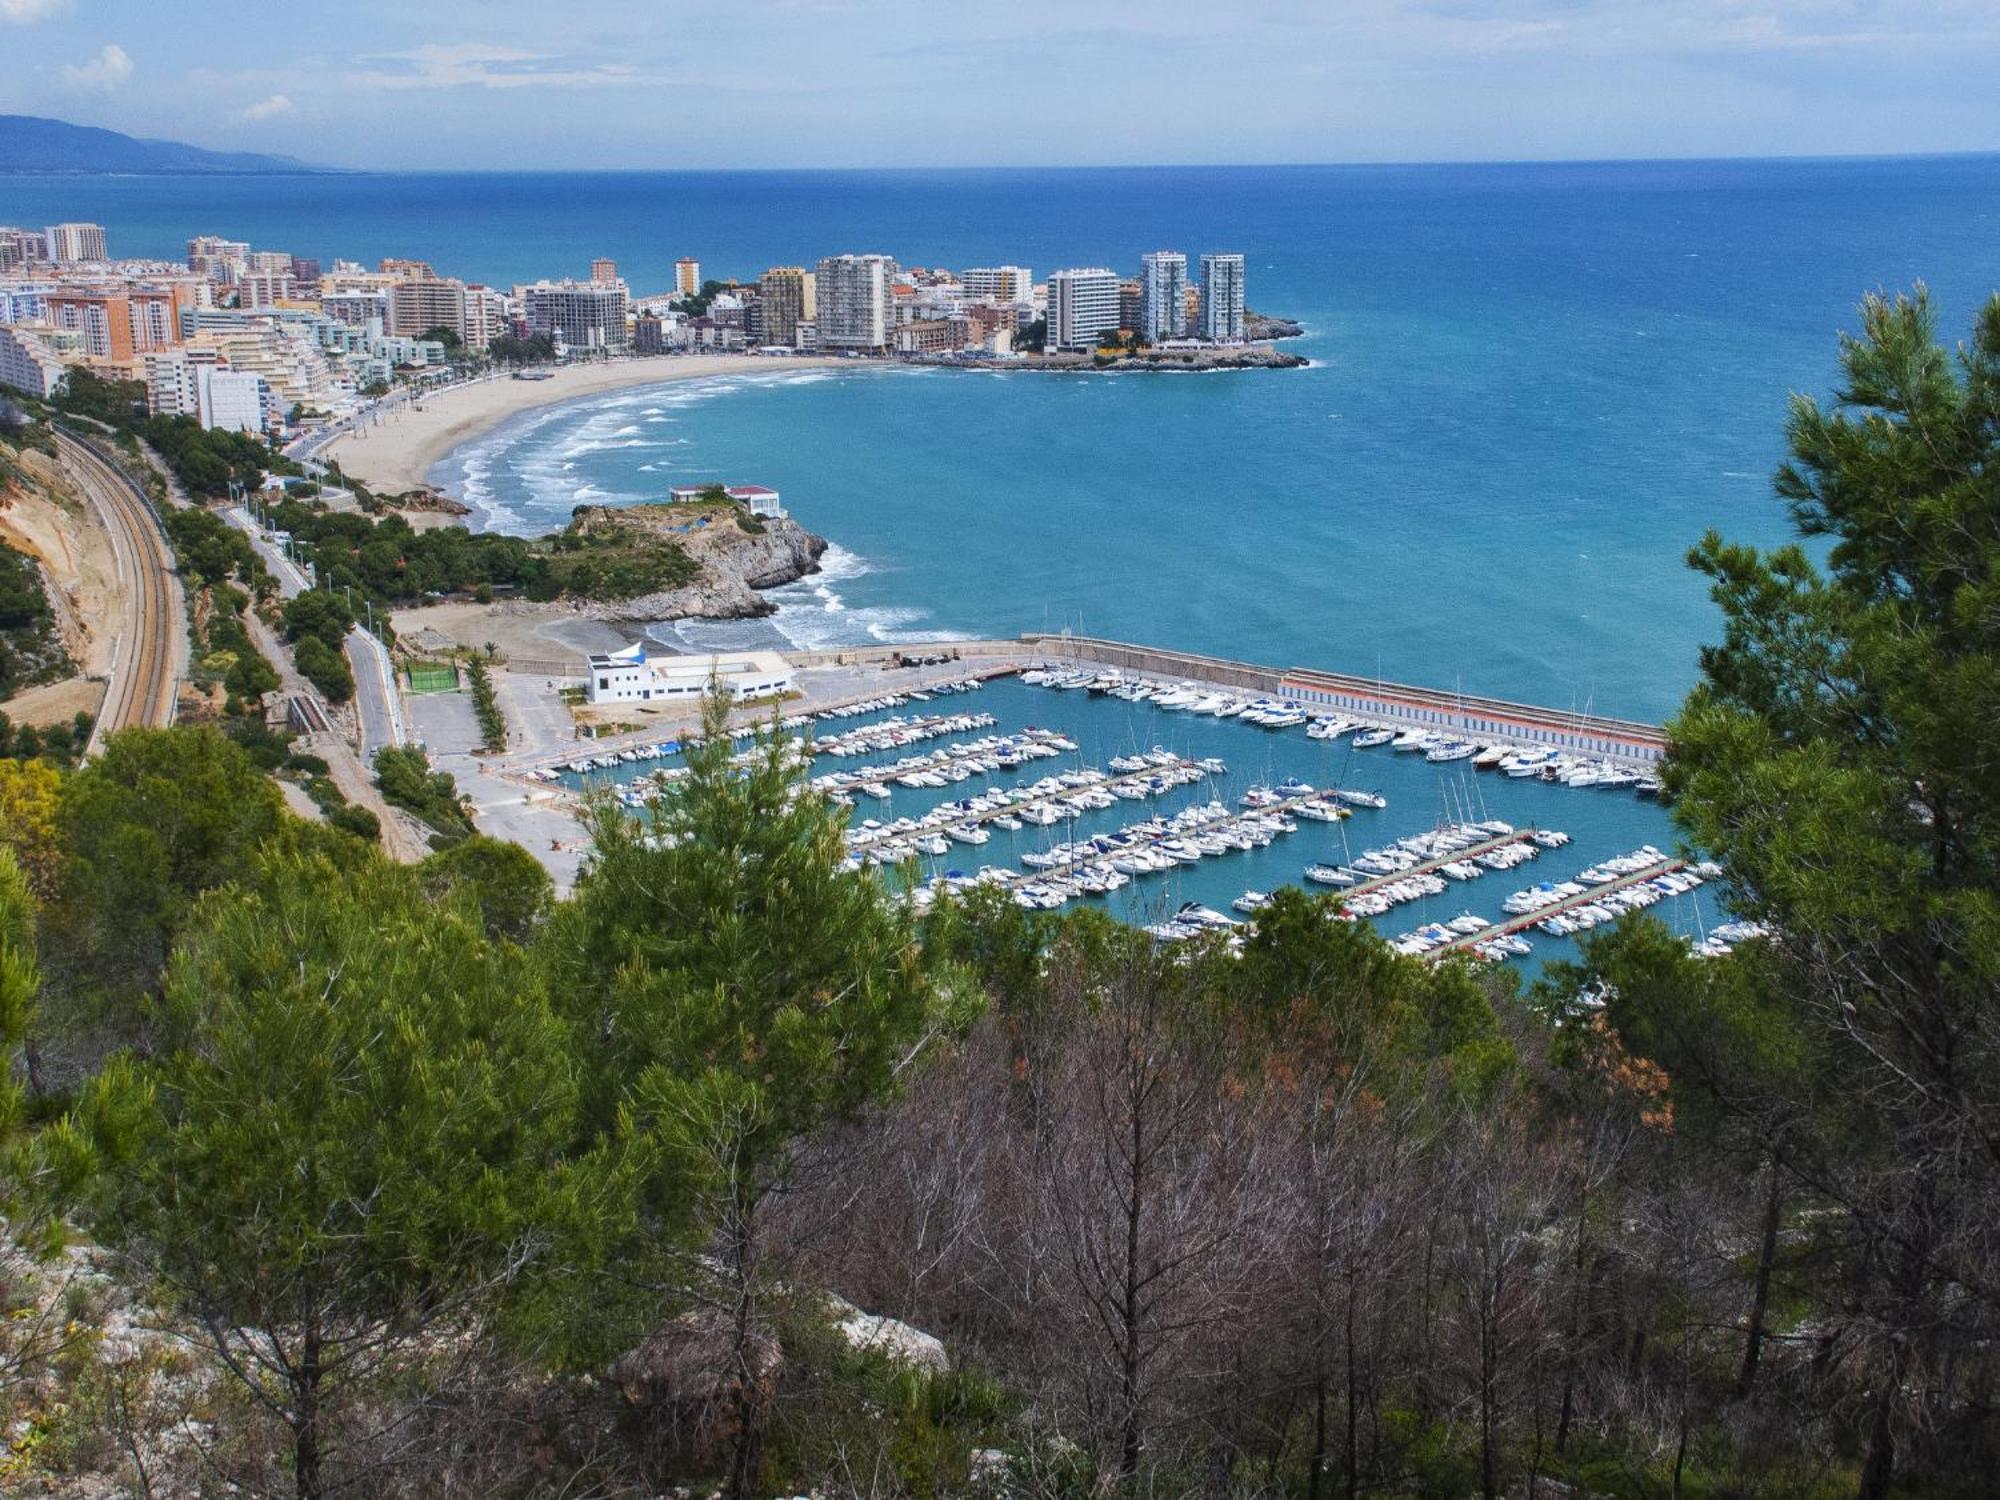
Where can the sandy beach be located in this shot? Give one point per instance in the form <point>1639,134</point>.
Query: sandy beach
<point>396,454</point>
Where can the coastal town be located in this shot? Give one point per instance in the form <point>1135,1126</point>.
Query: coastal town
<point>279,344</point>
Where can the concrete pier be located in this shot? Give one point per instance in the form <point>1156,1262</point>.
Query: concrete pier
<point>1467,715</point>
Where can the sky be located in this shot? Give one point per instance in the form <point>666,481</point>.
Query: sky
<point>526,84</point>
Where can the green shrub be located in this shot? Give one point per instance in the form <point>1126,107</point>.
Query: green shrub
<point>325,668</point>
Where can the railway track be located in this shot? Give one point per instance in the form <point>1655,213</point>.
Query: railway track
<point>142,683</point>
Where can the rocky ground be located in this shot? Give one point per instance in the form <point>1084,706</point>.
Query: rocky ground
<point>735,567</point>
<point>1259,327</point>
<point>42,517</point>
<point>735,562</point>
<point>1220,357</point>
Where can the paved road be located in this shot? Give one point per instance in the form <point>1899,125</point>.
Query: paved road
<point>292,580</point>
<point>145,658</point>
<point>376,703</point>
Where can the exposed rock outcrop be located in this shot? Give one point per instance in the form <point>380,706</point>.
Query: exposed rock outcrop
<point>889,1337</point>
<point>1260,326</point>
<point>737,558</point>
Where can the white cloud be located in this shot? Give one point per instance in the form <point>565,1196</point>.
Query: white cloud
<point>265,109</point>
<point>104,72</point>
<point>478,65</point>
<point>23,11</point>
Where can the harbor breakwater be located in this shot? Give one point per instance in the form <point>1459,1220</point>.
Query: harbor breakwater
<point>1470,715</point>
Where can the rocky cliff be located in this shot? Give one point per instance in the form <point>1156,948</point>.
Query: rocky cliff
<point>737,556</point>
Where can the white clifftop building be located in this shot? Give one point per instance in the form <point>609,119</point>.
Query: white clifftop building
<point>761,500</point>
<point>632,676</point>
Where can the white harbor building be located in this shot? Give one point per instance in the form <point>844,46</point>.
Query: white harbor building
<point>633,676</point>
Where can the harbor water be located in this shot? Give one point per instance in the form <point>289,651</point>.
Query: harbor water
<point>1420,796</point>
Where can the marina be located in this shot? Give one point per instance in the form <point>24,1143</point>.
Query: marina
<point>1143,771</point>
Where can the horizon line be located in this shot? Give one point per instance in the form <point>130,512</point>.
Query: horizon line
<point>307,169</point>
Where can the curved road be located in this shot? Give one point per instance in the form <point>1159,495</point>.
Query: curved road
<point>143,678</point>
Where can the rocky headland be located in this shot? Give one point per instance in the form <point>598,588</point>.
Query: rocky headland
<point>734,555</point>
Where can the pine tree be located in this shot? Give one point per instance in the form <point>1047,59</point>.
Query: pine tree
<point>351,1136</point>
<point>739,991</point>
<point>1838,758</point>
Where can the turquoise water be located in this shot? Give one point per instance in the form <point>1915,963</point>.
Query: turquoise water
<point>1533,389</point>
<point>1419,795</point>
<point>1535,386</point>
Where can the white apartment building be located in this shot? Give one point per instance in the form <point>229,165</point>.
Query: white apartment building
<point>285,351</point>
<point>631,676</point>
<point>1015,284</point>
<point>28,363</point>
<point>487,316</point>
<point>72,243</point>
<point>22,302</point>
<point>356,309</point>
<point>1163,285</point>
<point>1083,303</point>
<point>576,314</point>
<point>196,383</point>
<point>234,400</point>
<point>170,382</point>
<point>1222,298</point>
<point>855,302</point>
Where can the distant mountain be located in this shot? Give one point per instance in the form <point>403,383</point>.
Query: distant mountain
<point>30,144</point>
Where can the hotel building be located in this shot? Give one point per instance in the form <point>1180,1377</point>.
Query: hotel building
<point>266,289</point>
<point>576,314</point>
<point>1163,282</point>
<point>787,297</point>
<point>1083,303</point>
<point>116,325</point>
<point>27,363</point>
<point>487,316</point>
<point>195,383</point>
<point>855,302</point>
<point>70,244</point>
<point>1222,298</point>
<point>418,306</point>
<point>216,258</point>
<point>21,248</point>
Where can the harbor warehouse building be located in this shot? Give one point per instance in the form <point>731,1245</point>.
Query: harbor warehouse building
<point>633,676</point>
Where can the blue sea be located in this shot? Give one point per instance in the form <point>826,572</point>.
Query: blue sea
<point>1533,388</point>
